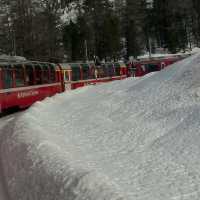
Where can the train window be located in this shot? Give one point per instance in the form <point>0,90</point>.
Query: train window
<point>29,77</point>
<point>66,76</point>
<point>110,69</point>
<point>117,69</point>
<point>152,67</point>
<point>105,70</point>
<point>45,69</point>
<point>52,73</point>
<point>19,75</point>
<point>7,77</point>
<point>86,71</point>
<point>100,72</point>
<point>92,72</point>
<point>38,74</point>
<point>76,74</point>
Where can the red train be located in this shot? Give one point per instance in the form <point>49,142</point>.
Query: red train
<point>141,68</point>
<point>23,83</point>
<point>77,75</point>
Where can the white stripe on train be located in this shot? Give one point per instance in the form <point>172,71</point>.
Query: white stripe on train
<point>28,88</point>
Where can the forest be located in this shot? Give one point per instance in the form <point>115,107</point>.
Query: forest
<point>80,30</point>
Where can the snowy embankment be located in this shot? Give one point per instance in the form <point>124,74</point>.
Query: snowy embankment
<point>132,139</point>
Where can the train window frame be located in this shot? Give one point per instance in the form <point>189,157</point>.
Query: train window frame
<point>85,71</point>
<point>111,70</point>
<point>105,70</point>
<point>45,73</point>
<point>153,67</point>
<point>100,72</point>
<point>92,72</point>
<point>52,73</point>
<point>38,71</point>
<point>7,68</point>
<point>19,75</point>
<point>66,75</point>
<point>76,72</point>
<point>29,74</point>
<point>117,67</point>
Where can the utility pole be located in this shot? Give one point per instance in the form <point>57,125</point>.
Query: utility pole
<point>86,51</point>
<point>149,6</point>
<point>13,41</point>
<point>150,47</point>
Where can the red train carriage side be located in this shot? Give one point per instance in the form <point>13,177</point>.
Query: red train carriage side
<point>141,68</point>
<point>81,74</point>
<point>22,84</point>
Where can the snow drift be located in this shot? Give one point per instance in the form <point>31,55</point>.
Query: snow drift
<point>132,139</point>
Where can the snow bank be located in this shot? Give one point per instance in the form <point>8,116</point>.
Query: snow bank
<point>132,139</point>
<point>168,55</point>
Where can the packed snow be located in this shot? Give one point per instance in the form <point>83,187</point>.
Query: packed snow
<point>135,139</point>
<point>168,55</point>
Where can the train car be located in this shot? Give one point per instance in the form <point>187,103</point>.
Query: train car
<point>23,83</point>
<point>81,74</point>
<point>141,68</point>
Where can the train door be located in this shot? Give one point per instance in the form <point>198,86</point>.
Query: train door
<point>67,79</point>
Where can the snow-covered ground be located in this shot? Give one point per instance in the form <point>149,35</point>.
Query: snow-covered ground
<point>168,55</point>
<point>132,139</point>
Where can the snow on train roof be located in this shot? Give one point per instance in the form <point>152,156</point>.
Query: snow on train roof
<point>74,65</point>
<point>134,139</point>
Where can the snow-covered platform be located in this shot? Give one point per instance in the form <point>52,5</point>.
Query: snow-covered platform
<point>135,139</point>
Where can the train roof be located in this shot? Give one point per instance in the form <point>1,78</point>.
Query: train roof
<point>74,65</point>
<point>68,66</point>
<point>27,62</point>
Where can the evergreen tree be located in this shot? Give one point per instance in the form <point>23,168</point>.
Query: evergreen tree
<point>133,27</point>
<point>74,38</point>
<point>105,27</point>
<point>170,25</point>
